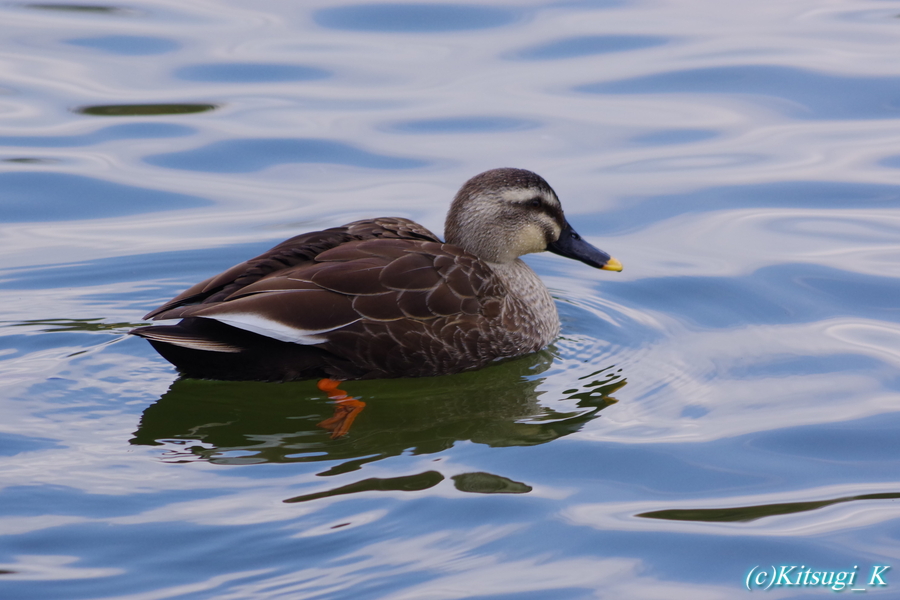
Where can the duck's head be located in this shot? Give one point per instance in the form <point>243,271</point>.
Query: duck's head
<point>502,214</point>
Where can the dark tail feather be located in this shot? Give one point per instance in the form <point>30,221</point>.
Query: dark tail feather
<point>207,349</point>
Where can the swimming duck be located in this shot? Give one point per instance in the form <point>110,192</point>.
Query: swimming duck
<point>383,297</point>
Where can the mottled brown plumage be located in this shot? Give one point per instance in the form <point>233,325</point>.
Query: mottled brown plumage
<point>382,297</point>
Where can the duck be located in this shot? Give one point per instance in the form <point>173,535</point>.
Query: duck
<point>383,297</point>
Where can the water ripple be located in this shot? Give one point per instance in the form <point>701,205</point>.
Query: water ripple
<point>588,45</point>
<point>471,124</point>
<point>127,45</point>
<point>407,18</point>
<point>807,94</point>
<point>125,131</point>
<point>249,72</point>
<point>244,156</point>
<point>42,196</point>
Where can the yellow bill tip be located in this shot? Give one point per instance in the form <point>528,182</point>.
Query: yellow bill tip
<point>612,265</point>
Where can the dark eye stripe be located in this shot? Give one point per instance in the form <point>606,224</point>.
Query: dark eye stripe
<point>555,213</point>
<point>552,211</point>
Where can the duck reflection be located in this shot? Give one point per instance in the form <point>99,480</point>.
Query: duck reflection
<point>251,422</point>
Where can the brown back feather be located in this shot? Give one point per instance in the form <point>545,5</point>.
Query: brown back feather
<point>296,251</point>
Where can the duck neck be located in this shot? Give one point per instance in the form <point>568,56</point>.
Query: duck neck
<point>529,294</point>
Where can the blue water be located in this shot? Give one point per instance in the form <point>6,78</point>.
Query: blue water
<point>730,401</point>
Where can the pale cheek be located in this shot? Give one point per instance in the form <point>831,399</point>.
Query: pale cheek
<point>532,240</point>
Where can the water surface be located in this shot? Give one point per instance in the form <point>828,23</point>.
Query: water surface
<point>729,400</point>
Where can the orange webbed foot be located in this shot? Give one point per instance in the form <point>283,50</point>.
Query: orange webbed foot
<point>346,408</point>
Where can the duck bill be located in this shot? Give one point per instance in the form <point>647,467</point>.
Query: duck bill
<point>572,245</point>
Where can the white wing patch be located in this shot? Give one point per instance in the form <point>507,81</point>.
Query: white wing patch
<point>254,323</point>
<point>194,343</point>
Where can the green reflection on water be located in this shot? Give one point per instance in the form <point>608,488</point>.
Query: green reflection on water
<point>488,483</point>
<point>408,483</point>
<point>129,110</point>
<point>251,422</point>
<point>751,513</point>
<point>83,8</point>
<point>59,325</point>
<point>28,160</point>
